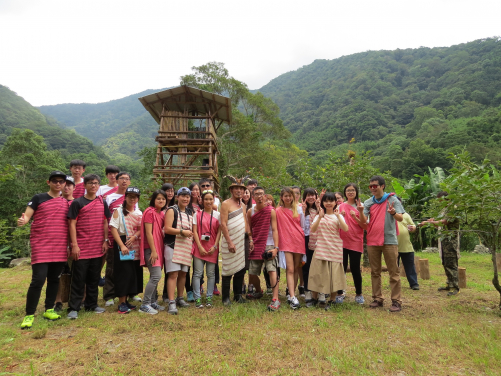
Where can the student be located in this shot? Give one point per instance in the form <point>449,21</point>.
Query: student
<point>49,242</point>
<point>270,201</point>
<point>152,255</point>
<point>353,240</point>
<point>406,250</point>
<point>250,185</point>
<point>233,229</point>
<point>88,225</point>
<point>178,246</point>
<point>310,208</point>
<point>326,271</point>
<point>112,186</point>
<point>262,220</point>
<point>125,226</point>
<point>168,188</point>
<point>248,201</point>
<point>339,198</point>
<point>207,233</point>
<point>77,169</point>
<point>383,210</point>
<point>291,237</point>
<point>297,194</point>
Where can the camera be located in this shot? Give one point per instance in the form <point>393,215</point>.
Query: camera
<point>206,238</point>
<point>267,255</point>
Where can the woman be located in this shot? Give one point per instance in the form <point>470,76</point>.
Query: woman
<point>206,232</point>
<point>406,250</point>
<point>290,221</point>
<point>247,201</point>
<point>353,240</point>
<point>339,198</point>
<point>194,207</point>
<point>310,208</point>
<point>168,188</point>
<point>125,226</point>
<point>178,247</point>
<point>297,194</point>
<point>152,255</point>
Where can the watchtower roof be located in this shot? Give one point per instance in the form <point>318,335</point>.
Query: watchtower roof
<point>183,98</point>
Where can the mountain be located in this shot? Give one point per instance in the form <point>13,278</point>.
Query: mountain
<point>410,107</point>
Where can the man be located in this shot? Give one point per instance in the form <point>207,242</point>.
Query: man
<point>49,241</point>
<point>448,248</point>
<point>68,189</point>
<point>233,228</point>
<point>383,210</point>
<point>77,168</point>
<point>88,217</point>
<point>262,220</point>
<point>112,186</point>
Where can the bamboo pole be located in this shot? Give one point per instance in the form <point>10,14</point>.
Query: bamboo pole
<point>462,277</point>
<point>425,269</point>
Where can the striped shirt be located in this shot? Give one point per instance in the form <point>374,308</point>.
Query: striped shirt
<point>329,244</point>
<point>183,246</point>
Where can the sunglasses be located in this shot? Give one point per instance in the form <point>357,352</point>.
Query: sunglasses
<point>374,186</point>
<point>205,185</point>
<point>58,181</point>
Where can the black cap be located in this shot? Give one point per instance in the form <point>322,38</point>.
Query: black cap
<point>57,174</point>
<point>69,179</point>
<point>133,190</point>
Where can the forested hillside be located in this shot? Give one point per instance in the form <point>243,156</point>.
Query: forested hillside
<point>410,107</point>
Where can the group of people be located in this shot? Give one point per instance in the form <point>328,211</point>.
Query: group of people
<point>314,237</point>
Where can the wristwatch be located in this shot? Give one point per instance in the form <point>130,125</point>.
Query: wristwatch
<point>106,240</point>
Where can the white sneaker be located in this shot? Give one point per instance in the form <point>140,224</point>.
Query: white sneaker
<point>294,303</point>
<point>308,296</point>
<point>321,298</point>
<point>109,303</point>
<point>99,310</point>
<point>157,306</point>
<point>148,309</point>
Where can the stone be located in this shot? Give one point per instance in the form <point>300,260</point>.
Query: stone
<point>20,262</point>
<point>481,249</point>
<point>430,250</point>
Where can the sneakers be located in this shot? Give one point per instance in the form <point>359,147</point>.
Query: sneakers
<point>453,292</point>
<point>198,303</point>
<point>157,307</point>
<point>216,291</point>
<point>130,306</point>
<point>99,310</point>
<point>359,299</point>
<point>240,299</point>
<point>27,322</point>
<point>269,291</point>
<point>101,281</point>
<point>376,304</point>
<point>287,295</point>
<point>172,308</point>
<point>58,307</point>
<point>254,295</point>
<point>321,298</point>
<point>339,299</point>
<point>446,288</point>
<point>294,303</point>
<point>181,303</point>
<point>330,304</point>
<point>244,287</point>
<point>109,303</point>
<point>311,303</point>
<point>308,295</point>
<point>51,315</point>
<point>274,305</point>
<point>395,306</point>
<point>208,302</point>
<point>148,309</point>
<point>415,287</point>
<point>137,299</point>
<point>189,297</point>
<point>301,292</point>
<point>72,315</point>
<point>251,288</point>
<point>122,308</point>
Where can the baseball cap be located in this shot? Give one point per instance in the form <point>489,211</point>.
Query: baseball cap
<point>57,174</point>
<point>70,179</point>
<point>183,191</point>
<point>133,190</point>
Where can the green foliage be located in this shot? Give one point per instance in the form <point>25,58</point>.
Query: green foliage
<point>5,256</point>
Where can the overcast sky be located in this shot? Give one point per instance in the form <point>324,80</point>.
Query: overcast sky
<point>94,51</point>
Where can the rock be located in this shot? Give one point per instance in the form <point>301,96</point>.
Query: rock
<point>430,250</point>
<point>20,262</point>
<point>481,249</point>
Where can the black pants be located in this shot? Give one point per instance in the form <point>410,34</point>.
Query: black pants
<point>85,274</point>
<point>409,267</point>
<point>354,258</point>
<point>306,266</point>
<point>49,271</point>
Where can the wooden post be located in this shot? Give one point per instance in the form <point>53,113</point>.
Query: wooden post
<point>498,261</point>
<point>402,269</point>
<point>416,264</point>
<point>64,287</point>
<point>425,269</point>
<point>462,278</point>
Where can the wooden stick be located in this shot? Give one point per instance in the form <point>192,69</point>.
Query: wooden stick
<point>462,278</point>
<point>425,269</point>
<point>416,264</point>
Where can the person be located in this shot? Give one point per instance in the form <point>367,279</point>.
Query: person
<point>151,249</point>
<point>194,207</point>
<point>125,226</point>
<point>448,248</point>
<point>326,271</point>
<point>168,188</point>
<point>233,229</point>
<point>270,201</point>
<point>406,250</point>
<point>206,233</point>
<point>297,194</point>
<point>310,208</point>
<point>178,246</point>
<point>88,226</point>
<point>339,198</point>
<point>49,242</point>
<point>250,185</point>
<point>290,220</point>
<point>77,169</point>
<point>111,173</point>
<point>248,201</point>
<point>262,220</point>
<point>383,210</point>
<point>353,240</point>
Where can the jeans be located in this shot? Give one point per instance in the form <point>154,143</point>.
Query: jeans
<point>155,276</point>
<point>409,267</point>
<point>42,271</point>
<point>198,271</point>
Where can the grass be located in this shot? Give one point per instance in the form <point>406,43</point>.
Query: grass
<point>433,335</point>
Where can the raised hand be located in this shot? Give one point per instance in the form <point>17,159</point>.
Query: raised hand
<point>343,213</point>
<point>322,193</point>
<point>21,221</point>
<point>353,214</point>
<point>303,205</point>
<point>321,213</point>
<point>360,205</point>
<point>391,209</point>
<point>317,204</point>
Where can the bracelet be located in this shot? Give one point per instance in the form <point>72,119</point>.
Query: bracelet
<point>181,233</point>
<point>393,213</point>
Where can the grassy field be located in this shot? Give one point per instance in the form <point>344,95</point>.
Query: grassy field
<point>433,335</point>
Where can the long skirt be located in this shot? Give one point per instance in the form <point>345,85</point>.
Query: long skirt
<point>127,274</point>
<point>326,276</point>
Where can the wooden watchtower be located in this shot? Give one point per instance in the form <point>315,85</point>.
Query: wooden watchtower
<point>189,119</point>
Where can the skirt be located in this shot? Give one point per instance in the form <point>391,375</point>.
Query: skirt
<point>127,274</point>
<point>326,276</point>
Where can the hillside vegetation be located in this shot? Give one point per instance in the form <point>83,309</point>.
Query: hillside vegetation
<point>410,107</point>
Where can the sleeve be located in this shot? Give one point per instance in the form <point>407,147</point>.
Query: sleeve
<point>148,217</point>
<point>302,221</point>
<point>398,206</point>
<point>34,202</point>
<point>195,219</point>
<point>115,222</point>
<point>367,208</point>
<point>107,213</point>
<point>74,209</point>
<point>315,220</point>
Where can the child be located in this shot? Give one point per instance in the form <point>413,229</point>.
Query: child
<point>310,207</point>
<point>326,270</point>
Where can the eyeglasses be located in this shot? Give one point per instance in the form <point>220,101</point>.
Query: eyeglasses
<point>92,183</point>
<point>258,194</point>
<point>207,191</point>
<point>351,191</point>
<point>374,186</point>
<point>123,178</point>
<point>58,181</point>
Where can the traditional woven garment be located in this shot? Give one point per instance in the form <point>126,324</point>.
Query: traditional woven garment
<point>234,262</point>
<point>353,239</point>
<point>260,225</point>
<point>79,190</point>
<point>90,229</point>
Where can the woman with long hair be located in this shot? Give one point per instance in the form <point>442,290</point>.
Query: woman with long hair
<point>310,208</point>
<point>168,188</point>
<point>247,201</point>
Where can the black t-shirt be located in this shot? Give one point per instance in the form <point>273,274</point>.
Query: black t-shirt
<point>80,202</point>
<point>38,200</point>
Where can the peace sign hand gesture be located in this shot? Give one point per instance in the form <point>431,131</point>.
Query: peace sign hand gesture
<point>321,213</point>
<point>391,209</point>
<point>360,205</point>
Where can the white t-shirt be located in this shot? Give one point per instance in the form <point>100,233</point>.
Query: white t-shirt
<point>103,189</point>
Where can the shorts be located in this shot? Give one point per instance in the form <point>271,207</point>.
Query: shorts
<point>172,266</point>
<point>256,266</point>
